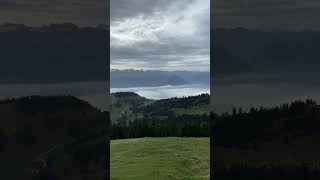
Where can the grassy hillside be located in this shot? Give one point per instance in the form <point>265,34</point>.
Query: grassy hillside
<point>123,104</point>
<point>128,106</point>
<point>160,159</point>
<point>167,153</point>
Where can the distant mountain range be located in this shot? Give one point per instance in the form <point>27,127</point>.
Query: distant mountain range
<point>53,53</point>
<point>65,52</point>
<point>9,27</point>
<point>253,56</point>
<point>150,78</point>
<point>242,50</point>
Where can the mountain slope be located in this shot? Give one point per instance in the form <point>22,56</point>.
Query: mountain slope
<point>128,106</point>
<point>174,80</point>
<point>122,104</point>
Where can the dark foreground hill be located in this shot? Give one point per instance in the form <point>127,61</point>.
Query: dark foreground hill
<point>57,137</point>
<point>269,143</point>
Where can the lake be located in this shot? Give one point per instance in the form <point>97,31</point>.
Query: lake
<point>225,96</point>
<point>96,92</point>
<point>168,91</point>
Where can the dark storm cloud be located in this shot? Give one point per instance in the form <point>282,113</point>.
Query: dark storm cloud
<point>160,34</point>
<point>38,12</point>
<point>280,14</point>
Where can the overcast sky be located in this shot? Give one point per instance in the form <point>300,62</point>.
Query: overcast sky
<point>267,14</point>
<point>160,34</point>
<point>301,14</point>
<point>166,34</point>
<point>38,12</point>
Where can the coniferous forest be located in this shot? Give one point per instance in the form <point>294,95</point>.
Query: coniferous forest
<point>277,142</point>
<point>261,142</point>
<point>239,128</point>
<point>54,137</point>
<point>268,143</point>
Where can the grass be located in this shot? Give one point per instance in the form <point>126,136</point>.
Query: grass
<point>160,159</point>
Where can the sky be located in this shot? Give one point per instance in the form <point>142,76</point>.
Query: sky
<point>279,14</point>
<point>267,14</point>
<point>39,12</point>
<point>44,12</point>
<point>160,34</point>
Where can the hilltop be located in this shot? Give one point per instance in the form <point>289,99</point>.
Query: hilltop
<point>175,104</point>
<point>129,106</point>
<point>134,116</point>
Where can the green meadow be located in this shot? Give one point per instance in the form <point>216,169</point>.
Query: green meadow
<point>160,159</point>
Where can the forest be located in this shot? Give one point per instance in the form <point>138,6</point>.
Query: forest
<point>173,117</point>
<point>274,142</point>
<point>268,143</point>
<point>239,128</point>
<point>286,122</point>
<point>53,137</point>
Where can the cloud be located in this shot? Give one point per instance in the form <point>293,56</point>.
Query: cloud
<point>163,35</point>
<point>38,12</point>
<point>273,14</point>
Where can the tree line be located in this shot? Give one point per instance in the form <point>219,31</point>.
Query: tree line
<point>250,129</point>
<point>239,128</point>
<point>177,126</point>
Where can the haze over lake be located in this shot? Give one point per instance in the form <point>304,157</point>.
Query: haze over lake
<point>225,96</point>
<point>168,91</point>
